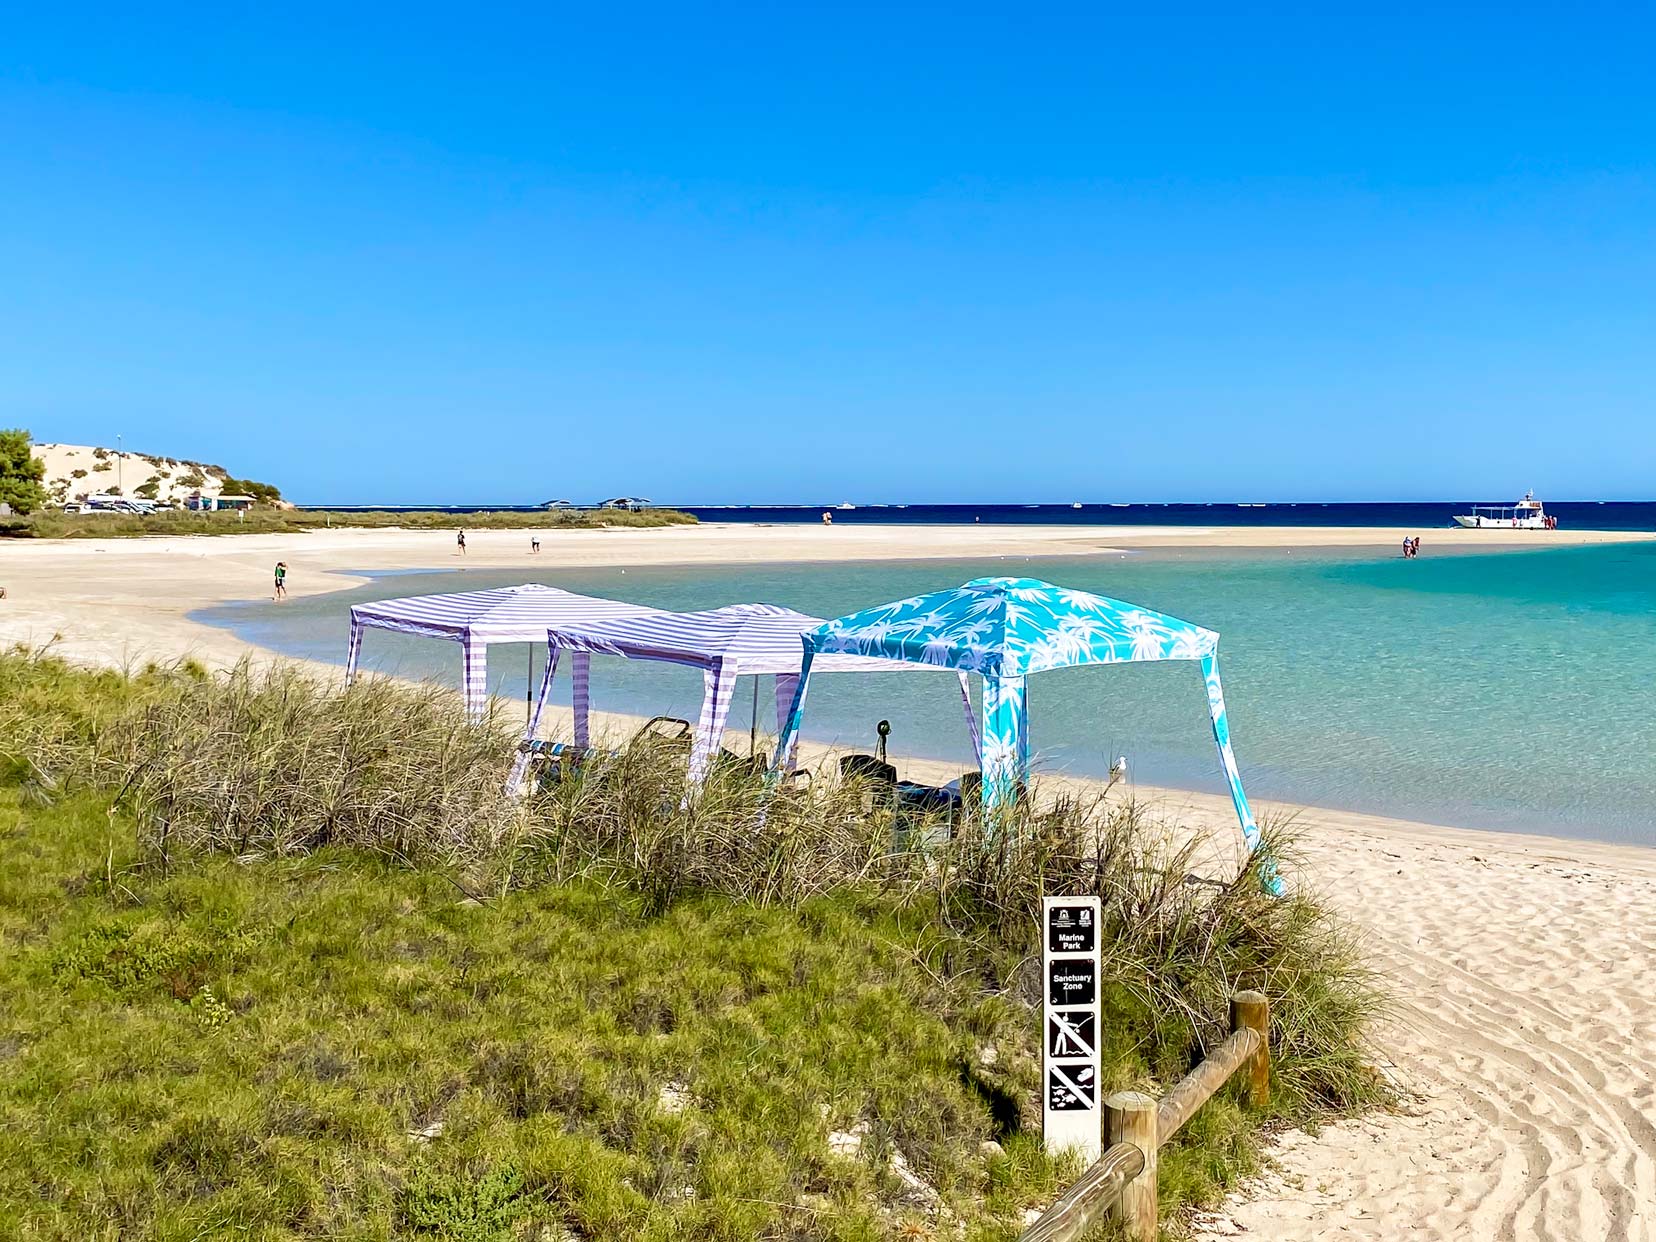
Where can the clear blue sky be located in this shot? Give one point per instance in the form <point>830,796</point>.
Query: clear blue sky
<point>761,254</point>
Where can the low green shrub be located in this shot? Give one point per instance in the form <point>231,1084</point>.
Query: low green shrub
<point>475,1208</point>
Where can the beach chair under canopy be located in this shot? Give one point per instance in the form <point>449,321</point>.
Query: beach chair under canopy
<point>1005,629</point>
<point>474,619</point>
<point>724,643</point>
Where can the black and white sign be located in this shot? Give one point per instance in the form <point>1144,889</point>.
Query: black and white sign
<point>1072,981</point>
<point>1069,965</point>
<point>1072,929</point>
<point>1071,1035</point>
<point>1072,1088</point>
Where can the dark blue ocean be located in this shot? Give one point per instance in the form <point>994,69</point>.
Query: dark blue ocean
<point>1572,514</point>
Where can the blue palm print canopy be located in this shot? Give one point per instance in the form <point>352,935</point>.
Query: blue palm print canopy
<point>1005,629</point>
<point>1011,627</point>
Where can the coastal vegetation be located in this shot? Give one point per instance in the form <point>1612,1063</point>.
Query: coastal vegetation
<point>31,483</point>
<point>21,473</point>
<point>262,493</point>
<point>285,961</point>
<point>268,521</point>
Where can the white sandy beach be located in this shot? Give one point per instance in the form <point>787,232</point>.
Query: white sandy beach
<point>1523,966</point>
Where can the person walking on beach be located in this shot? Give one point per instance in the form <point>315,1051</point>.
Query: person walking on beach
<point>1414,549</point>
<point>534,543</point>
<point>281,581</point>
<point>460,544</point>
<point>1408,547</point>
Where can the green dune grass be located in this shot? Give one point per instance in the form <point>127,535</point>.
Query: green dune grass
<point>217,1028</point>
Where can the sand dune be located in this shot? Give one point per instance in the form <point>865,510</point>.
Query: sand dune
<point>78,470</point>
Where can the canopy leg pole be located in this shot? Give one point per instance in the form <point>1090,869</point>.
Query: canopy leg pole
<point>580,670</point>
<point>717,684</point>
<point>353,653</point>
<point>971,719</point>
<point>1005,742</point>
<point>786,684</point>
<point>787,740</point>
<point>520,765</point>
<point>474,677</point>
<point>1233,775</point>
<point>1023,731</point>
<point>753,727</point>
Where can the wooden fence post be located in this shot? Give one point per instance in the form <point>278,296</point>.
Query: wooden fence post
<point>1251,1011</point>
<point>1132,1119</point>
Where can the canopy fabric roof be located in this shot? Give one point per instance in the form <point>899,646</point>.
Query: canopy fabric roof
<point>516,614</point>
<point>725,643</point>
<point>1011,627</point>
<point>759,638</point>
<point>1005,629</point>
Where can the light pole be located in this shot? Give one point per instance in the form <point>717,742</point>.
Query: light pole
<point>120,472</point>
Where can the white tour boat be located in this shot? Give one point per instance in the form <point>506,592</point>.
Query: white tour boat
<point>1527,514</point>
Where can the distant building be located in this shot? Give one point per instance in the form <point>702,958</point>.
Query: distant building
<point>206,504</point>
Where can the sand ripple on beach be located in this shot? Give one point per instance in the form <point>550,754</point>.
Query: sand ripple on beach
<point>1523,1034</point>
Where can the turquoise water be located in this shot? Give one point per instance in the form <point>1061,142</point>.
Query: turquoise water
<point>1506,691</point>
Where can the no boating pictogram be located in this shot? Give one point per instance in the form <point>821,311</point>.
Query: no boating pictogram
<point>1072,1088</point>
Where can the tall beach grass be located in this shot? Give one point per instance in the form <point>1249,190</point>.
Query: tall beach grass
<point>275,775</point>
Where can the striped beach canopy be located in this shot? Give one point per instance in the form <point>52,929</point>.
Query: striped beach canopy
<point>724,643</point>
<point>1004,629</point>
<point>474,619</point>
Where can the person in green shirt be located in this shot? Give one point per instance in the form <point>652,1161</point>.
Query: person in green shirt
<point>281,581</point>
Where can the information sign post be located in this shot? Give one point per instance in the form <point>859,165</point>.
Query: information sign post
<point>1070,1064</point>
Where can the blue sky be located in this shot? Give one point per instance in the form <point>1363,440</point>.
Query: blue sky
<point>748,254</point>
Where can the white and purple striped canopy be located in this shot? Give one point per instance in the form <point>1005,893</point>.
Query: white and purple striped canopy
<point>518,614</point>
<point>474,619</point>
<point>758,638</point>
<point>724,643</point>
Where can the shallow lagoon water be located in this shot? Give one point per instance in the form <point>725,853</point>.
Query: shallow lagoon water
<point>1508,691</point>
